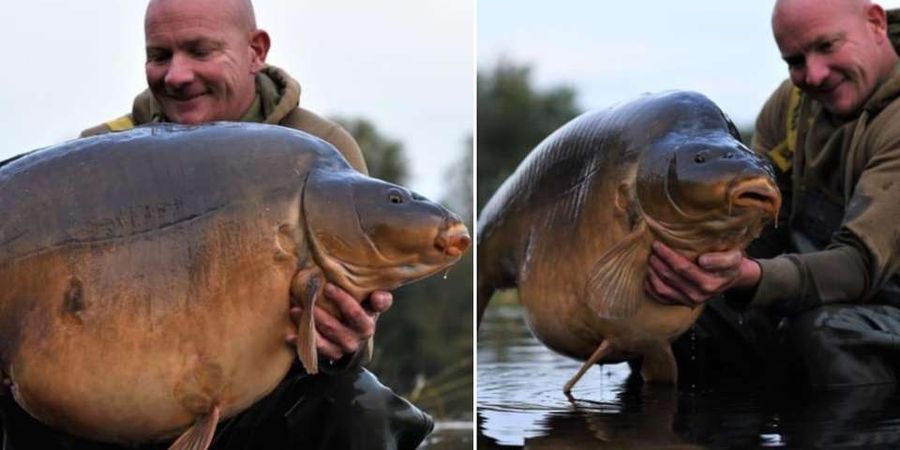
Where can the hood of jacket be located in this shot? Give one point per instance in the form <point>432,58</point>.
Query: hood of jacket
<point>277,94</point>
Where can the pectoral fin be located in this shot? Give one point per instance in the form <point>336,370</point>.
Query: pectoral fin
<point>615,289</point>
<point>306,287</point>
<point>199,435</point>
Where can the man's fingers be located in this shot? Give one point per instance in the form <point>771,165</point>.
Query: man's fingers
<point>327,349</point>
<point>336,333</point>
<point>648,289</point>
<point>352,313</point>
<point>380,301</point>
<point>664,291</point>
<point>721,261</point>
<point>687,272</point>
<point>698,283</point>
<point>687,289</point>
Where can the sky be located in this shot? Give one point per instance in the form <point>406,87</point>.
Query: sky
<point>407,65</point>
<point>612,51</point>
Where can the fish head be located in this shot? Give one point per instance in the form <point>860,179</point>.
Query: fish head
<point>370,235</point>
<point>706,190</point>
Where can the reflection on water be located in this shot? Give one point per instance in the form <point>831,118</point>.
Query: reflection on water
<point>521,405</point>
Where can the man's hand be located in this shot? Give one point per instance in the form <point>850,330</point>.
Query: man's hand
<point>343,334</point>
<point>674,280</point>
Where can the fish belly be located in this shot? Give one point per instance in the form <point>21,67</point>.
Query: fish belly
<point>571,328</point>
<point>133,341</point>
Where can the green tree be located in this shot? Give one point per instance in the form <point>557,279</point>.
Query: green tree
<point>746,134</point>
<point>384,155</point>
<point>459,176</point>
<point>513,117</point>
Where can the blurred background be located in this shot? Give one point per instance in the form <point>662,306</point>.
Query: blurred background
<point>539,66</point>
<point>399,74</point>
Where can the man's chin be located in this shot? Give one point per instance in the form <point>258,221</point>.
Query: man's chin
<point>839,102</point>
<point>843,108</point>
<point>192,117</point>
<point>189,112</point>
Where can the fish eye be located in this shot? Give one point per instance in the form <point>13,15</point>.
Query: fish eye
<point>700,158</point>
<point>395,197</point>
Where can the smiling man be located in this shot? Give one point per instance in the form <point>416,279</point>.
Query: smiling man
<point>206,62</point>
<point>825,282</point>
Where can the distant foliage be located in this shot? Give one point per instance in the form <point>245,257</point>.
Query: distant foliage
<point>513,117</point>
<point>459,181</point>
<point>384,155</point>
<point>746,134</point>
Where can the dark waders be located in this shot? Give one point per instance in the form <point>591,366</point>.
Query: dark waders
<point>345,410</point>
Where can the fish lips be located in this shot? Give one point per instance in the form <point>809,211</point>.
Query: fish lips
<point>755,193</point>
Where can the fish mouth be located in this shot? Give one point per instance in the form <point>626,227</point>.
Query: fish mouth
<point>755,193</point>
<point>453,239</point>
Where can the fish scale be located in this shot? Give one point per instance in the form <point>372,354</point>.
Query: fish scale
<point>156,267</point>
<point>592,197</point>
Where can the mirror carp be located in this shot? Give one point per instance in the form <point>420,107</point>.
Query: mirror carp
<point>571,229</point>
<point>146,276</point>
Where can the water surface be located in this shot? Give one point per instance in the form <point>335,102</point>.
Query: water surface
<point>521,405</point>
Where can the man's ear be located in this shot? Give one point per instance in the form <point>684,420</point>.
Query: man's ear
<point>259,48</point>
<point>877,19</point>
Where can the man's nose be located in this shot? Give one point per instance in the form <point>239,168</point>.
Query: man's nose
<point>816,71</point>
<point>180,71</point>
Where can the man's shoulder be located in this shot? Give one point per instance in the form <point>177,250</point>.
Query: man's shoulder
<point>143,110</point>
<point>781,96</point>
<point>329,131</point>
<point>118,124</point>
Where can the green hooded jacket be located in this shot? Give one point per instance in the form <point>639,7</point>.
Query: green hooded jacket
<point>277,102</point>
<point>853,164</point>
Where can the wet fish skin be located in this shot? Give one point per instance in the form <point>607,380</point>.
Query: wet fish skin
<point>571,229</point>
<point>146,276</point>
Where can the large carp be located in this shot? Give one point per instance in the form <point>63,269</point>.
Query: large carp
<point>146,276</point>
<point>572,228</point>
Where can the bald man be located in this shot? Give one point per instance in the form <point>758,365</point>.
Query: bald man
<point>206,62</point>
<point>825,282</point>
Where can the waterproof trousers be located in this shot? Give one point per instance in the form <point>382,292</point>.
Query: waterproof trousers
<point>826,346</point>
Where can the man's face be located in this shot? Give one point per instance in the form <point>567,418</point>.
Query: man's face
<point>200,65</point>
<point>831,51</point>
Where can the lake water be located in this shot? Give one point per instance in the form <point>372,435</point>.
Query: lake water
<point>521,405</point>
